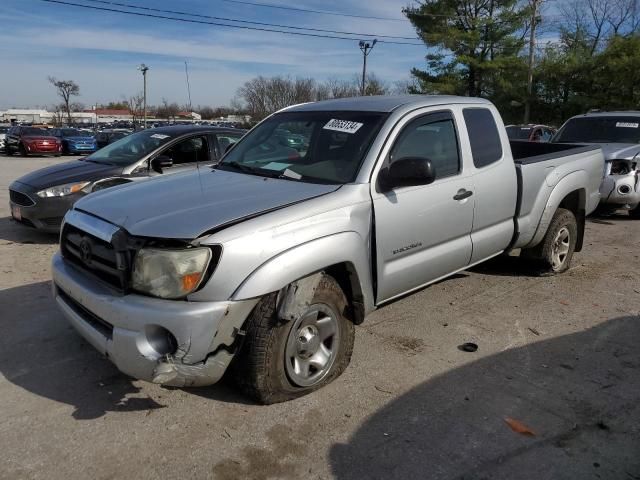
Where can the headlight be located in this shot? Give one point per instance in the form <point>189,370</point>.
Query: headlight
<point>167,273</point>
<point>63,190</point>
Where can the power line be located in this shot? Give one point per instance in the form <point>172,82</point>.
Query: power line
<point>219,24</point>
<point>320,12</point>
<point>175,12</point>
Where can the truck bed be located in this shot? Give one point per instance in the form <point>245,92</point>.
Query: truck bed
<point>540,167</point>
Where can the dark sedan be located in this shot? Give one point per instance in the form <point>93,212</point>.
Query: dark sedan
<point>74,141</point>
<point>41,198</point>
<point>107,136</point>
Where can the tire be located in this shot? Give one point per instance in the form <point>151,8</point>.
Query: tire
<point>7,151</point>
<point>22,150</point>
<point>635,213</point>
<point>264,369</point>
<point>555,251</point>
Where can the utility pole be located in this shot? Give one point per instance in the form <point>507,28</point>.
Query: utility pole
<point>532,46</point>
<point>144,69</point>
<point>186,71</point>
<point>366,48</point>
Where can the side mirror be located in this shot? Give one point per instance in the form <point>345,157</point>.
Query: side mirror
<point>408,172</point>
<point>161,162</point>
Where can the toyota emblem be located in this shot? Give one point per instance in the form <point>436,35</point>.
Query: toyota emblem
<point>85,251</point>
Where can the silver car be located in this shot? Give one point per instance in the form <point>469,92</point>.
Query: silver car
<point>618,133</point>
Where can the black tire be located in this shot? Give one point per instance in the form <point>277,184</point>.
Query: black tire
<point>7,151</point>
<point>635,213</point>
<point>22,150</point>
<point>546,253</point>
<point>259,368</point>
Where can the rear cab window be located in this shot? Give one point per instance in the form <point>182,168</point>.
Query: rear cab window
<point>486,146</point>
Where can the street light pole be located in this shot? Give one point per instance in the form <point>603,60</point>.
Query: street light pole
<point>144,69</point>
<point>366,48</point>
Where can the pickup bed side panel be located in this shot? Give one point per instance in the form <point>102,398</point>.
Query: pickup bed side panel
<point>298,262</point>
<point>546,183</point>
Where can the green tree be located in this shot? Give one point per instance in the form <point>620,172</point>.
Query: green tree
<point>472,44</point>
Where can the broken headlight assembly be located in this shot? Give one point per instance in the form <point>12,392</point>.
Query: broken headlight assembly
<point>622,167</point>
<point>170,273</point>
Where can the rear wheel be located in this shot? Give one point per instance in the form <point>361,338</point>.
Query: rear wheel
<point>282,360</point>
<point>555,251</point>
<point>635,213</point>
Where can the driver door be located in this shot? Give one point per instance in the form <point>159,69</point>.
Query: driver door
<point>424,232</point>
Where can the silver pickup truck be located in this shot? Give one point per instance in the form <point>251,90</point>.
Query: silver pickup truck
<point>266,262</point>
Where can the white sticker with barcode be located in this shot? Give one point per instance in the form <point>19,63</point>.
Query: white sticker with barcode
<point>159,136</point>
<point>344,126</point>
<point>627,125</point>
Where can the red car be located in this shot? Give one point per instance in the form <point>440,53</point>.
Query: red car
<point>31,141</point>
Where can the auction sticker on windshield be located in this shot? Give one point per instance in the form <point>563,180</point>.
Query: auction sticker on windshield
<point>159,136</point>
<point>627,125</point>
<point>344,126</point>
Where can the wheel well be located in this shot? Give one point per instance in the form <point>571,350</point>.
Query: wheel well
<point>347,277</point>
<point>575,202</point>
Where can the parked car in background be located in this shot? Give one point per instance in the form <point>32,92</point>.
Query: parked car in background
<point>74,141</point>
<point>41,198</point>
<point>31,141</point>
<point>530,133</point>
<point>3,134</point>
<point>618,133</point>
<point>275,260</point>
<point>107,136</point>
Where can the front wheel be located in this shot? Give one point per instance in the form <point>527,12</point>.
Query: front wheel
<point>635,213</point>
<point>282,360</point>
<point>22,150</point>
<point>555,251</point>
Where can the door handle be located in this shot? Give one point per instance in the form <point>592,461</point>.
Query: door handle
<point>462,194</point>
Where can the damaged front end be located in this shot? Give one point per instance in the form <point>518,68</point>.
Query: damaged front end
<point>171,341</point>
<point>621,184</point>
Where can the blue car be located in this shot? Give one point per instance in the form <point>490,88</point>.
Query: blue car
<point>75,142</point>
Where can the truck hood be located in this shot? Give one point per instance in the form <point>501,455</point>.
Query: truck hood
<point>187,205</point>
<point>620,151</point>
<point>67,172</point>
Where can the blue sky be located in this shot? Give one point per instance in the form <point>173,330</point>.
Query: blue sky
<point>101,50</point>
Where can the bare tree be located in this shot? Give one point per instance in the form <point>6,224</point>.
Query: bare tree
<point>168,110</point>
<point>263,96</point>
<point>66,89</point>
<point>135,105</point>
<point>58,115</point>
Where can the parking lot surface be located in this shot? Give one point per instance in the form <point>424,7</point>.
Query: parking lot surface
<point>553,390</point>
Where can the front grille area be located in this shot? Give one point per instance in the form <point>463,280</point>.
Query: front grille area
<point>96,322</point>
<point>20,199</point>
<point>52,221</point>
<point>96,257</point>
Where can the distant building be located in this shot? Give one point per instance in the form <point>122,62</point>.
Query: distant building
<point>189,116</point>
<point>26,115</point>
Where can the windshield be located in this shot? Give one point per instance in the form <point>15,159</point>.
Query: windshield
<point>622,129</point>
<point>130,149</point>
<point>35,131</point>
<point>518,133</point>
<point>72,132</point>
<point>318,147</point>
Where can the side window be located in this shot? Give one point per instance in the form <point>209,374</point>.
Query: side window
<point>191,150</point>
<point>432,137</point>
<point>225,140</point>
<point>486,147</point>
<point>546,135</point>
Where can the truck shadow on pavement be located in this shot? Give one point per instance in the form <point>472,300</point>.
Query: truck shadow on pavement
<point>41,353</point>
<point>13,232</point>
<point>574,398</point>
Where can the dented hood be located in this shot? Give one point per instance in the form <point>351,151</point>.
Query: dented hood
<point>187,205</point>
<point>620,151</point>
